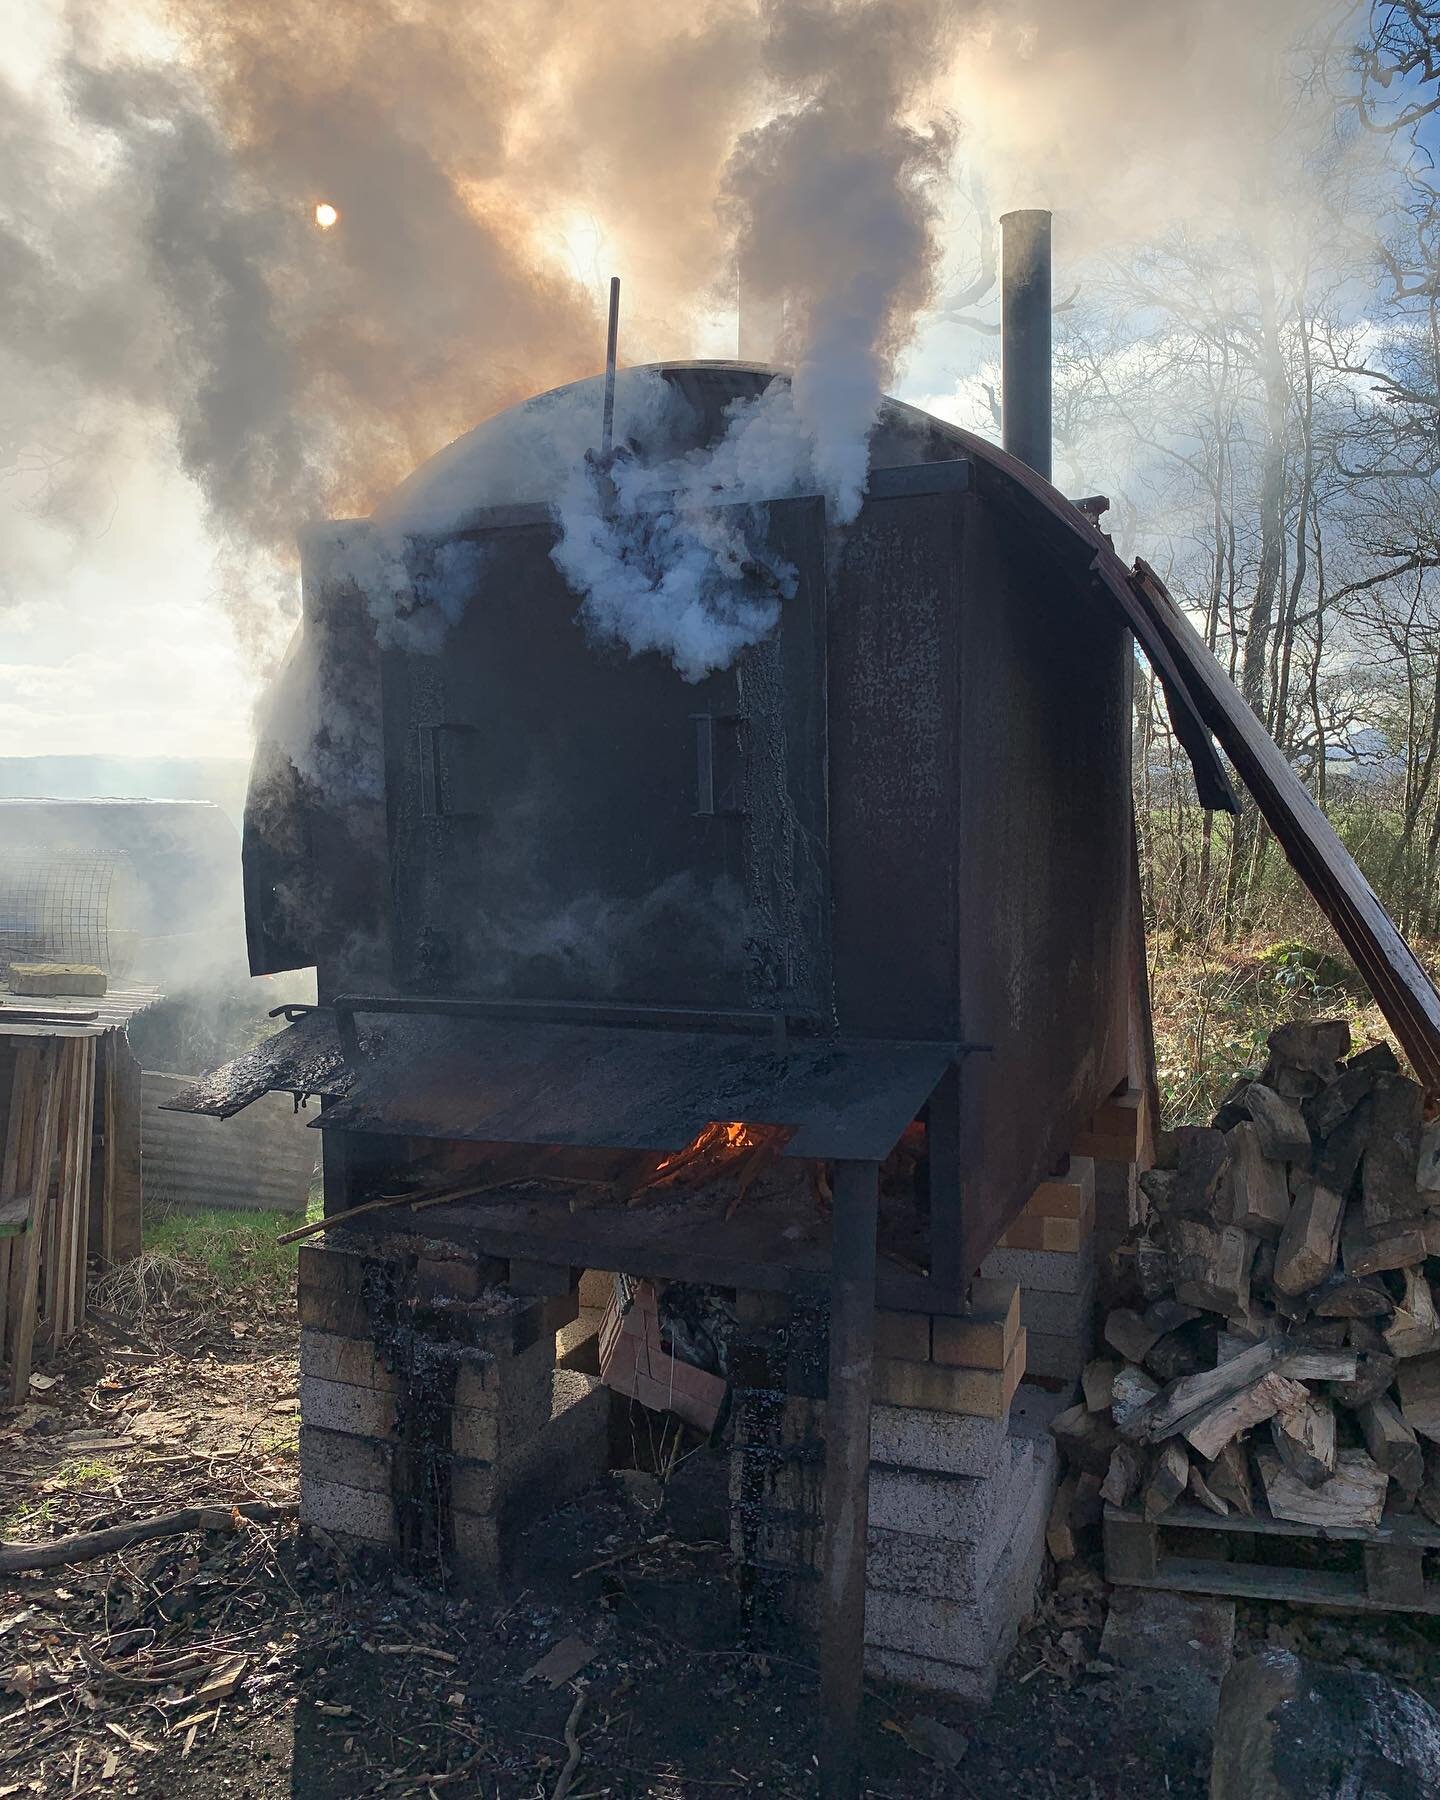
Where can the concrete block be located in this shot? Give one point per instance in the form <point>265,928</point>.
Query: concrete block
<point>336,1457</point>
<point>1031,1411</point>
<point>343,1406</point>
<point>1072,1314</point>
<point>353,1360</point>
<point>476,1544</point>
<point>941,1443</point>
<point>323,1269</point>
<point>348,1512</point>
<point>1052,1271</point>
<point>952,1507</point>
<point>1057,1356</point>
<point>340,1314</point>
<point>484,1380</point>
<point>932,1676</point>
<point>596,1289</point>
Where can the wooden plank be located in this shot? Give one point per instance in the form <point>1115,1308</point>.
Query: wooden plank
<point>26,1295</point>
<point>1260,1581</point>
<point>85,1163</point>
<point>127,1200</point>
<point>1395,1575</point>
<point>103,1241</point>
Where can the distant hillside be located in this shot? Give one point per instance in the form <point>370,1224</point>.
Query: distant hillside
<point>221,779</point>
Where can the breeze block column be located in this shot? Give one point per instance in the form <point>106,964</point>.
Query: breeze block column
<point>959,1488</point>
<point>433,1414</point>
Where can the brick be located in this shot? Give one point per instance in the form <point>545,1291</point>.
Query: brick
<point>1035,1233</point>
<point>353,1360</point>
<point>323,1269</point>
<point>902,1335</point>
<point>340,1314</point>
<point>341,1459</point>
<point>985,1339</point>
<point>1067,1196</point>
<point>1114,1133</point>
<point>596,1289</point>
<point>984,1392</point>
<point>1054,1272</point>
<point>342,1406</point>
<point>348,1512</point>
<point>483,1379</point>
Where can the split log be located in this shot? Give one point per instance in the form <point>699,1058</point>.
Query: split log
<point>1067,1515</point>
<point>1310,1242</point>
<point>1127,1332</point>
<point>1319,1334</point>
<point>1183,1352</point>
<point>84,1546</point>
<point>1123,1476</point>
<point>1211,1268</point>
<point>1418,1380</point>
<point>1158,1187</point>
<point>1428,1498</point>
<point>1209,1432</point>
<point>1192,1395</point>
<point>1427,1176</point>
<point>1392,1445</point>
<point>1305,1439</point>
<point>1351,1297</point>
<point>1134,1334</point>
<point>1415,1329</point>
<point>1304,1362</point>
<point>1280,1128</point>
<point>1229,1478</point>
<point>1097,1382</point>
<point>1085,1438</point>
<point>1354,1494</point>
<point>1335,1103</point>
<point>1374,1369</point>
<point>1312,1045</point>
<point>1336,1159</point>
<point>1396,1246</point>
<point>1392,1155</point>
<point>1259,1192</point>
<point>1199,1189</point>
<point>1203,1492</point>
<point>1131,1396</point>
<point>1169,1477</point>
<point>1152,1269</point>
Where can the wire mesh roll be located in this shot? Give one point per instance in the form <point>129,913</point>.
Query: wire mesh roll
<point>56,907</point>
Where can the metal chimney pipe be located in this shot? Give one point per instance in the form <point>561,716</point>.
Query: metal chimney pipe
<point>1025,337</point>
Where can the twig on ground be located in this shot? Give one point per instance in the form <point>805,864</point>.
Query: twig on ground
<point>572,1740</point>
<point>83,1546</point>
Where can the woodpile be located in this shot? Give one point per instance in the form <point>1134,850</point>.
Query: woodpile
<point>1279,1352</point>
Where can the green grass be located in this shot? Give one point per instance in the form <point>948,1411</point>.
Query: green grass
<point>233,1252</point>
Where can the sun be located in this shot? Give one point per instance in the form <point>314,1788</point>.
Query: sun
<point>326,215</point>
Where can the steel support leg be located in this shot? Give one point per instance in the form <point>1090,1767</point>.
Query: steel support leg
<point>847,1474</point>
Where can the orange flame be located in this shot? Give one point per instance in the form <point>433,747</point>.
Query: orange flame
<point>724,1137</point>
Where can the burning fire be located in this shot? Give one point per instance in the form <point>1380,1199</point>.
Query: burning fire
<point>326,215</point>
<point>723,1137</point>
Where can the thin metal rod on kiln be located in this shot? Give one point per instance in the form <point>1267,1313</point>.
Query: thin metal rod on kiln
<point>607,434</point>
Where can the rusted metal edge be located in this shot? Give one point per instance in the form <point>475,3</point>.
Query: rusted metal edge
<point>1203,700</point>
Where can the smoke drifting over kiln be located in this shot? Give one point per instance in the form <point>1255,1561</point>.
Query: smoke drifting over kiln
<point>167,294</point>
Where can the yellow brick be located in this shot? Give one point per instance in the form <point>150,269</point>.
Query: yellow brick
<point>903,1335</point>
<point>981,1393</point>
<point>1114,1134</point>
<point>1069,1235</point>
<point>1067,1196</point>
<point>985,1338</point>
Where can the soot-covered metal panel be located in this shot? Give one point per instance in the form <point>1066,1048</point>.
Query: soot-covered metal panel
<point>894,628</point>
<point>570,822</point>
<point>1044,833</point>
<point>303,1058</point>
<point>619,1087</point>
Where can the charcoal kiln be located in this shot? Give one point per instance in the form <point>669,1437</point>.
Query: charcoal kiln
<point>793,977</point>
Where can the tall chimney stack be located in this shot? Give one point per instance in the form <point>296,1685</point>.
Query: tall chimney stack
<point>1025,337</point>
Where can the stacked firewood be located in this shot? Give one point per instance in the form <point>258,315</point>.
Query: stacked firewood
<point>1281,1337</point>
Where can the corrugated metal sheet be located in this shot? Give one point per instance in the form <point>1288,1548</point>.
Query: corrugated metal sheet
<point>262,1160</point>
<point>72,1015</point>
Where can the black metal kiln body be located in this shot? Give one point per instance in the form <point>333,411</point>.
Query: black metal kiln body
<point>899,828</point>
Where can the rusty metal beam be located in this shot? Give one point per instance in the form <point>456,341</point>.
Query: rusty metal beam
<point>847,1474</point>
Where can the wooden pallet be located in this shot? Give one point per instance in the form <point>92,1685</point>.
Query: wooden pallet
<point>1396,1566</point>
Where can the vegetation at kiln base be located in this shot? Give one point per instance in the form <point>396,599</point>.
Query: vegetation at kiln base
<point>196,1257</point>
